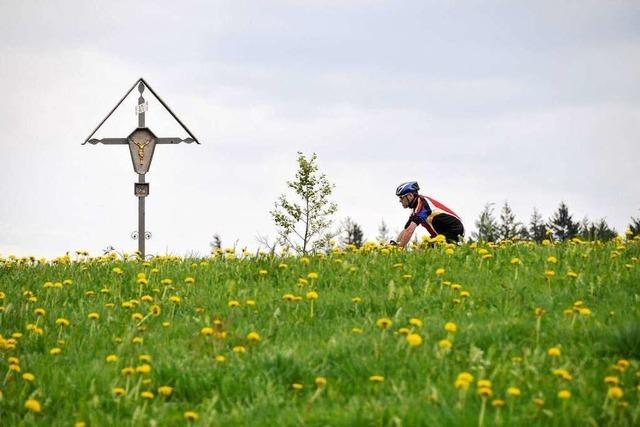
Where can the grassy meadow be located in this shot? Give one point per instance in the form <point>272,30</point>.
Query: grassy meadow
<point>509,334</point>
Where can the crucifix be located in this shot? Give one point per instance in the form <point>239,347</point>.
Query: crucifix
<point>142,143</point>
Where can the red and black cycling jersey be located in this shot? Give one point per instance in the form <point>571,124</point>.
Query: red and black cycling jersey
<point>425,210</point>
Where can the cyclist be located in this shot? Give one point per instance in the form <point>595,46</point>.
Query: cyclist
<point>431,214</point>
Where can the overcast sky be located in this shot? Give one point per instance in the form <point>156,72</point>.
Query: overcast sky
<point>530,102</point>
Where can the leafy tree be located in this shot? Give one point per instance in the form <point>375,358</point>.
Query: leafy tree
<point>352,233</point>
<point>562,225</point>
<point>509,227</point>
<point>537,229</point>
<point>634,227</point>
<point>383,233</point>
<point>304,224</point>
<point>486,225</point>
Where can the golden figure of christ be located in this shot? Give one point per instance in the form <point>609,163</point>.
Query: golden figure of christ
<point>141,146</point>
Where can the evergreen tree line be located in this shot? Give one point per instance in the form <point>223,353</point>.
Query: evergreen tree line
<point>560,226</point>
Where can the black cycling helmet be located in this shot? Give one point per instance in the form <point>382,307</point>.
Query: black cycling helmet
<point>406,188</point>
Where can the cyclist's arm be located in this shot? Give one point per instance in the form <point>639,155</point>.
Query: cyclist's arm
<point>405,235</point>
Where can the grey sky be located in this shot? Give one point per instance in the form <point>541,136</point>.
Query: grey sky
<point>530,102</point>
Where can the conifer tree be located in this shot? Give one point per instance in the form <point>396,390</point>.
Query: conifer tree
<point>487,228</point>
<point>352,233</point>
<point>537,229</point>
<point>562,225</point>
<point>509,227</point>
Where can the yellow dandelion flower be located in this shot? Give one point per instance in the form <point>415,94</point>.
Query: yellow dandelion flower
<point>404,331</point>
<point>564,394</point>
<point>312,295</point>
<point>415,322</point>
<point>484,384</point>
<point>111,358</point>
<point>321,381</point>
<point>313,275</point>
<point>562,373</point>
<point>485,392</point>
<point>513,391</point>
<point>554,352</point>
<point>516,261</point>
<point>552,259</point>
<point>165,390</point>
<point>253,336</point>
<point>239,349</point>
<point>15,368</point>
<point>384,322</point>
<point>456,287</point>
<point>137,340</point>
<point>440,271</point>
<point>233,303</point>
<point>93,316</point>
<point>450,327</point>
<point>356,330</point>
<point>175,299</point>
<point>220,358</point>
<point>445,344</point>
<point>190,416</point>
<point>33,405</point>
<point>250,302</point>
<point>615,392</point>
<point>28,376</point>
<point>207,331</point>
<point>584,311</point>
<point>137,316</point>
<point>572,274</point>
<point>145,368</point>
<point>263,272</point>
<point>376,378</point>
<point>189,280</point>
<point>297,386</point>
<point>62,322</point>
<point>465,294</point>
<point>147,395</point>
<point>538,402</point>
<point>55,351</point>
<point>465,376</point>
<point>39,311</point>
<point>497,403</point>
<point>414,340</point>
<point>611,380</point>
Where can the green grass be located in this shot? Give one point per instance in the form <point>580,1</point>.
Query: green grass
<point>499,337</point>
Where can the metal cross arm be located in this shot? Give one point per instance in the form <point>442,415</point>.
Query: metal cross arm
<point>170,140</point>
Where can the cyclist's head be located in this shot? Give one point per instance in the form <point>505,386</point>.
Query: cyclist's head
<point>406,188</point>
